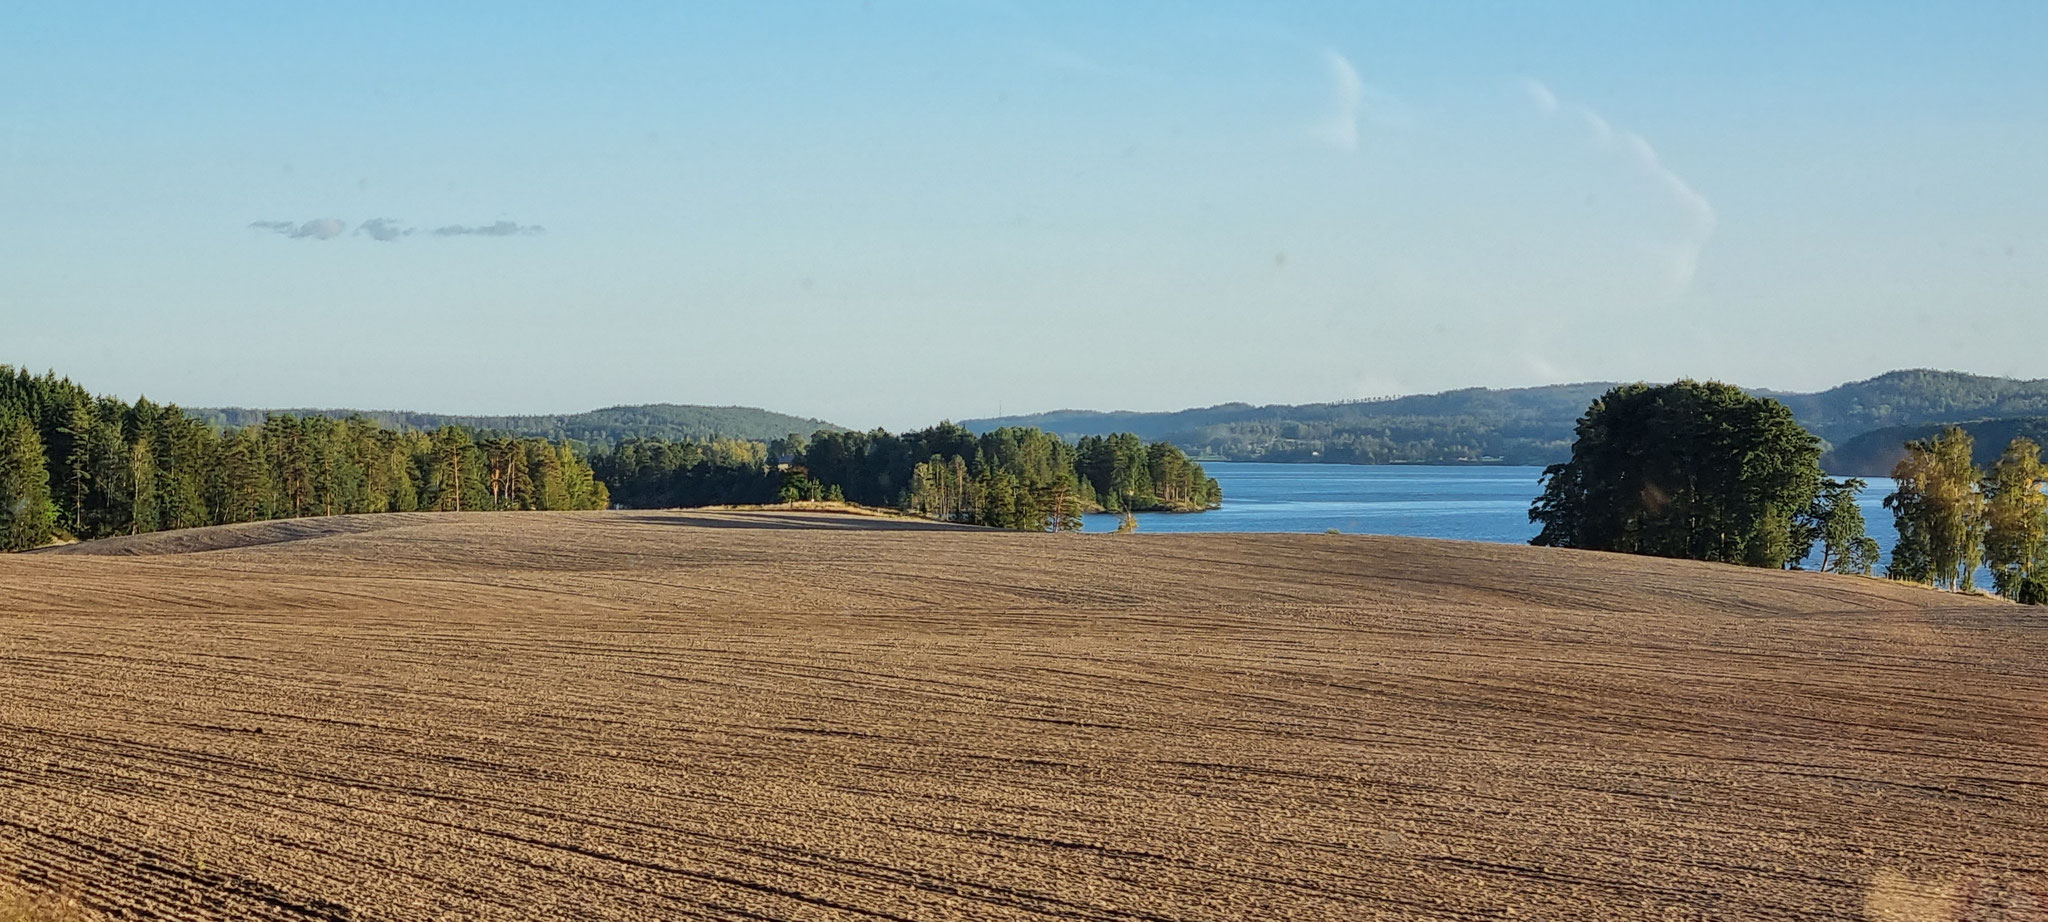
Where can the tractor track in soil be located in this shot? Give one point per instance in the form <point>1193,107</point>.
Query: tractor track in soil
<point>778,716</point>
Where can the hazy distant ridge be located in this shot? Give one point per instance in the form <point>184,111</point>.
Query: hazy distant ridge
<point>1531,425</point>
<point>611,424</point>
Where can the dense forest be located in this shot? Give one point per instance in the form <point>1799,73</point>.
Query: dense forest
<point>676,422</point>
<point>88,467</point>
<point>1528,425</point>
<point>1014,477</point>
<point>76,465</point>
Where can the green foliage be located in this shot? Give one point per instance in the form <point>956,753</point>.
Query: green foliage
<point>1834,520</point>
<point>1125,474</point>
<point>1694,470</point>
<point>1017,478</point>
<point>1939,508</point>
<point>665,421</point>
<point>2016,519</point>
<point>110,468</point>
<point>659,474</point>
<point>27,516</point>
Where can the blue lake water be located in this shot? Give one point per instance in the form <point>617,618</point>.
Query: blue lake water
<point>1466,503</point>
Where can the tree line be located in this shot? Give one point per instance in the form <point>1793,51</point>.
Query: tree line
<point>1013,477</point>
<point>72,464</point>
<point>680,422</point>
<point>1954,517</point>
<point>1702,471</point>
<point>1708,472</point>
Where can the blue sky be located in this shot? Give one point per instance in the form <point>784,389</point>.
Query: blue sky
<point>886,213</point>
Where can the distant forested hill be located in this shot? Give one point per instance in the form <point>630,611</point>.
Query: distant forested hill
<point>1874,453</point>
<point>1519,426</point>
<point>1914,397</point>
<point>1523,425</point>
<point>674,422</point>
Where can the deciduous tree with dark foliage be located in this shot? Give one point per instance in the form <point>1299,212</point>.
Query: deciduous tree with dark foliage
<point>1692,469</point>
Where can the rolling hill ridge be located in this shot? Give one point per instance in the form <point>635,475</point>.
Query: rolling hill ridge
<point>1528,425</point>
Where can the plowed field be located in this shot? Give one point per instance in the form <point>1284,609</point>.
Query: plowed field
<point>592,716</point>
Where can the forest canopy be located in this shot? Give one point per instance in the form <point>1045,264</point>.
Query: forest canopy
<point>75,465</point>
<point>1015,477</point>
<point>1690,469</point>
<point>89,467</point>
<point>682,422</point>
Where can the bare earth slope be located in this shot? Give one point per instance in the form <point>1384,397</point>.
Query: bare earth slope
<point>781,716</point>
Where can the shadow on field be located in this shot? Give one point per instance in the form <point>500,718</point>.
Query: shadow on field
<point>796,522</point>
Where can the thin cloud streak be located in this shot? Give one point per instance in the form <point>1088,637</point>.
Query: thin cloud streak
<point>388,230</point>
<point>1341,128</point>
<point>1700,214</point>
<point>498,229</point>
<point>316,229</point>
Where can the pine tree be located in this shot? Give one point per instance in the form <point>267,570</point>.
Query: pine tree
<point>110,502</point>
<point>26,514</point>
<point>550,482</point>
<point>1062,507</point>
<point>455,470</point>
<point>292,462</point>
<point>1835,522</point>
<point>78,463</point>
<point>143,514</point>
<point>246,494</point>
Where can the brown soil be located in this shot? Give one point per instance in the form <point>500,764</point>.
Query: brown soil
<point>787,715</point>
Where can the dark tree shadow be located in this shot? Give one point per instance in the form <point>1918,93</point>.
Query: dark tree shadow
<point>796,521</point>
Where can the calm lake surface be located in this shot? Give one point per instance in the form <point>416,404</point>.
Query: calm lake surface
<point>1466,503</point>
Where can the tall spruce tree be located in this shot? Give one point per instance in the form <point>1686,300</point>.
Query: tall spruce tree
<point>27,516</point>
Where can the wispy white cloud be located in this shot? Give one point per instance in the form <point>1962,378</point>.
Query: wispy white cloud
<point>1341,128</point>
<point>387,230</point>
<point>316,229</point>
<point>383,229</point>
<point>1603,133</point>
<point>1701,218</point>
<point>498,229</point>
